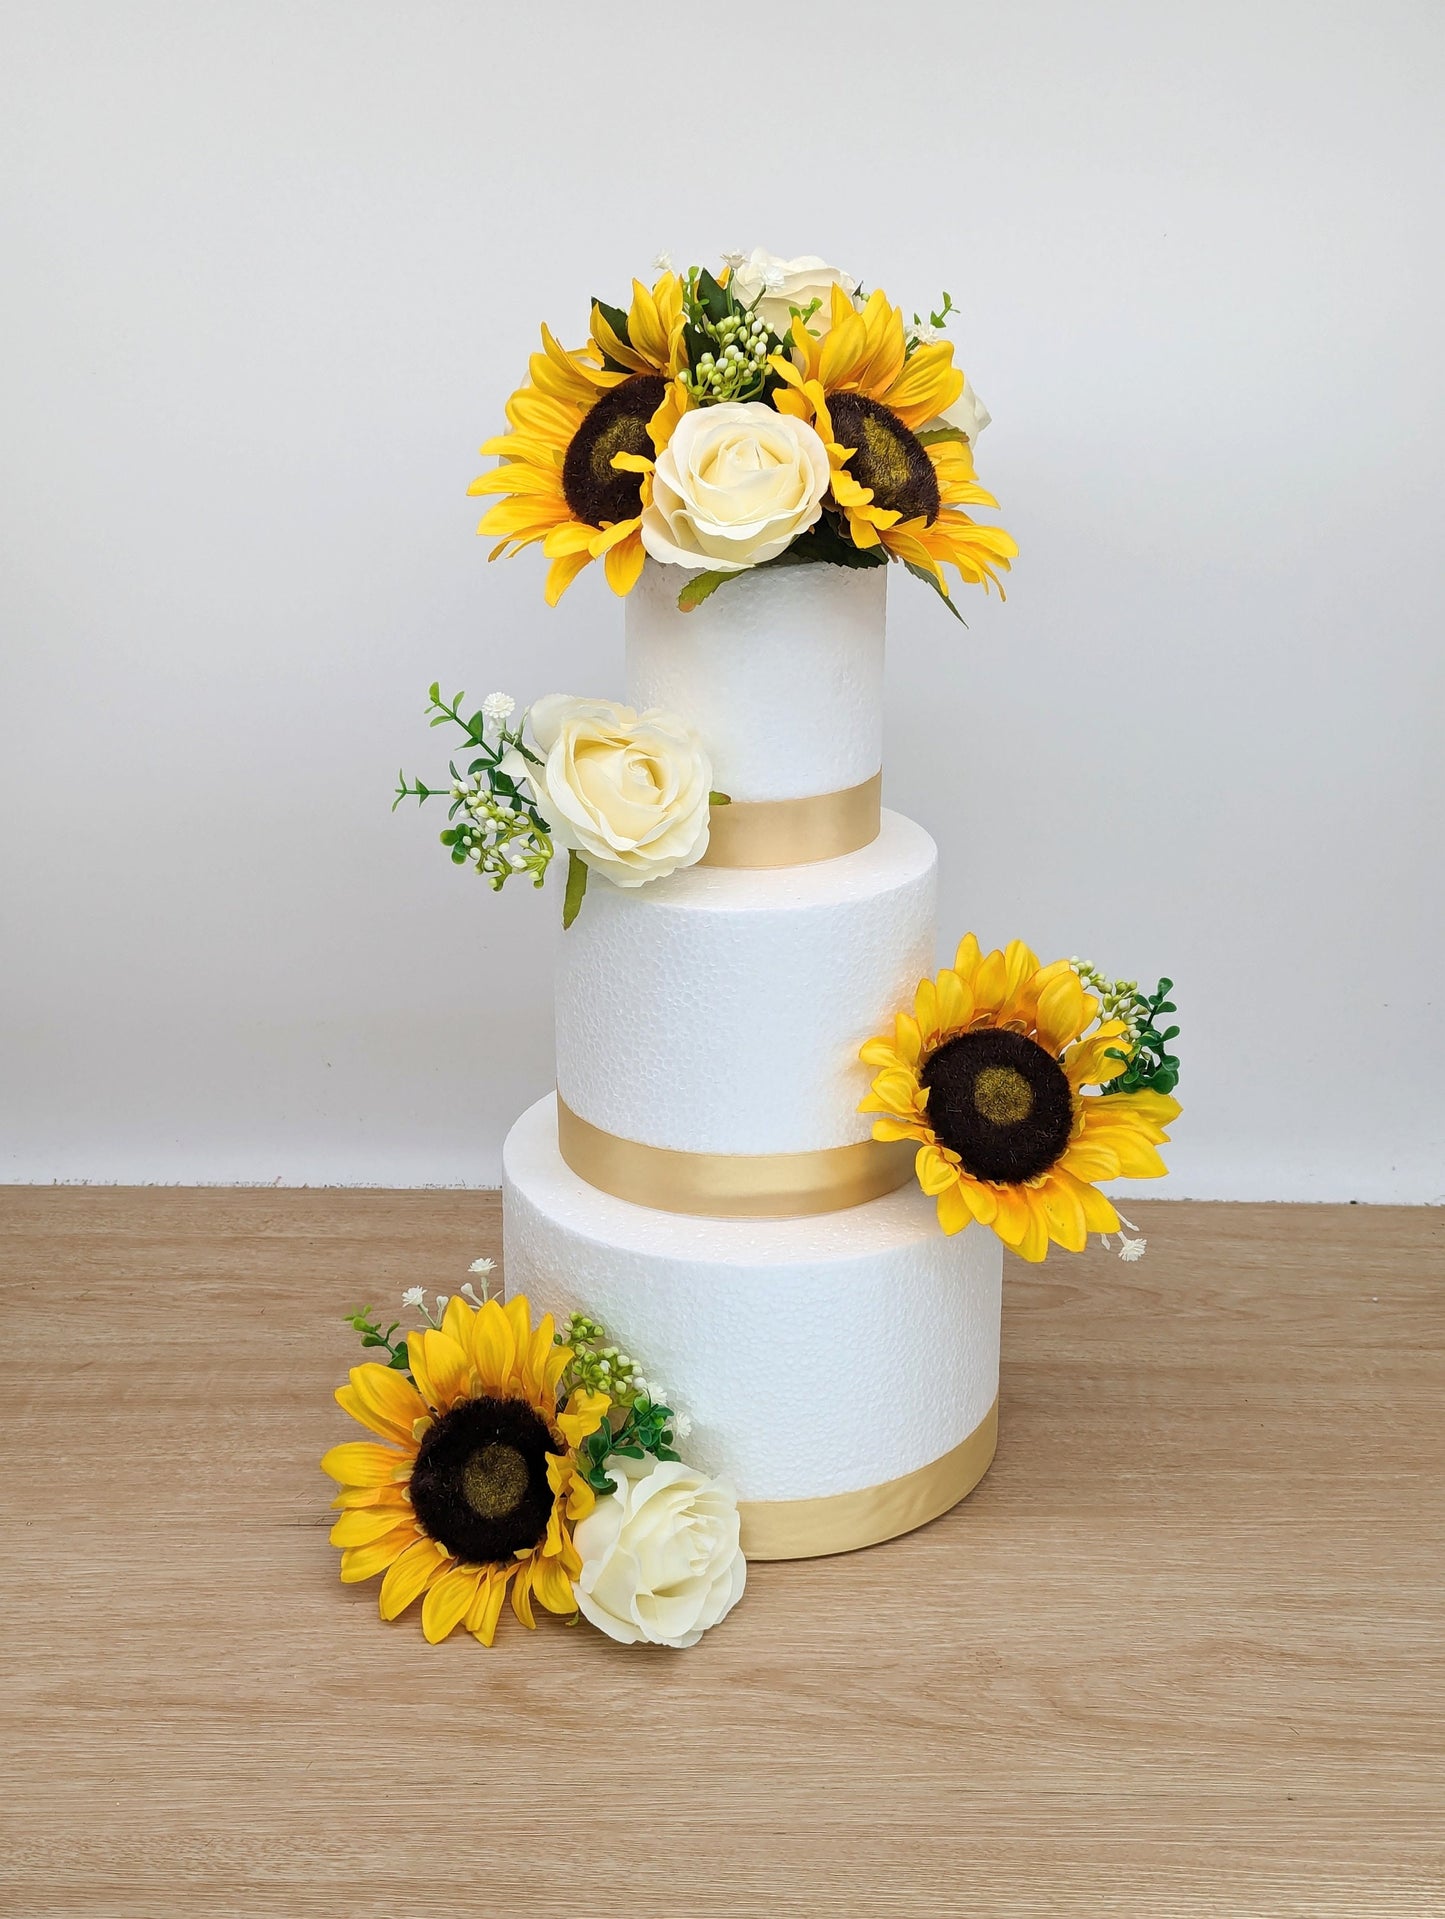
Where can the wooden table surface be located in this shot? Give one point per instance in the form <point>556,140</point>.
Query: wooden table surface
<point>1181,1653</point>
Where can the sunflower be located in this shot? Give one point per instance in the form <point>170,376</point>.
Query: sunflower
<point>476,1486</point>
<point>988,1073</point>
<point>869,398</point>
<point>578,412</point>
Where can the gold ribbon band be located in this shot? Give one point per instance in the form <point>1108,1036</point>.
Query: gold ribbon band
<point>733,1185</point>
<point>842,1522</point>
<point>823,826</point>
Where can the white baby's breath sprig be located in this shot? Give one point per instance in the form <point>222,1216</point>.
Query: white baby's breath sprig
<point>497,707</point>
<point>1129,1249</point>
<point>414,1296</point>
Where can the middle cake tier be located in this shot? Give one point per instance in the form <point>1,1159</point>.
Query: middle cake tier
<point>720,1011</point>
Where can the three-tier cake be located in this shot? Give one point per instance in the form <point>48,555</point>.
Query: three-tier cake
<point>702,1175</point>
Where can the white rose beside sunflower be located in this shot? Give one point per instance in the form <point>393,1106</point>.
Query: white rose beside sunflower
<point>661,1562</point>
<point>772,286</point>
<point>628,792</point>
<point>735,485</point>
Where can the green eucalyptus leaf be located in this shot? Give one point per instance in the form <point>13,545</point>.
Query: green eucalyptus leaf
<point>715,301</point>
<point>576,887</point>
<point>921,573</point>
<point>700,589</point>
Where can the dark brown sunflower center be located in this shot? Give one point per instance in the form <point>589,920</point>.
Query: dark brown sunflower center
<point>595,490</point>
<point>1001,1103</point>
<point>479,1486</point>
<point>886,457</point>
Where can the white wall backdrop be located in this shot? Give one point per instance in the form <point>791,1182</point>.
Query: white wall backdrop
<point>271,270</point>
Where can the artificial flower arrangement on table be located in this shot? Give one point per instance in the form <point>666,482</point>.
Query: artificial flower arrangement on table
<point>989,1074</point>
<point>767,415</point>
<point>513,1457</point>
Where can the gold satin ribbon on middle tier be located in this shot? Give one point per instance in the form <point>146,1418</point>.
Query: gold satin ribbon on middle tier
<point>733,1185</point>
<point>822,826</point>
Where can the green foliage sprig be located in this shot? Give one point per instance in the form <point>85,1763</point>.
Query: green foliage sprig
<point>644,1429</point>
<point>372,1336</point>
<point>728,344</point>
<point>937,321</point>
<point>1148,1063</point>
<point>495,825</point>
<point>637,1424</point>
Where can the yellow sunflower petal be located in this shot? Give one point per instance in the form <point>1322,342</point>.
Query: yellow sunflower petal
<point>893,1129</point>
<point>486,1609</point>
<point>583,1414</point>
<point>448,1601</point>
<point>493,1348</point>
<point>1090,1159</point>
<point>966,960</point>
<point>990,984</point>
<point>1099,1215</point>
<point>955,1002</point>
<point>522,1595</point>
<point>1063,1214</point>
<point>551,1586</point>
<point>365,1562</point>
<point>925,1010</point>
<point>359,1462</point>
<point>1062,1014</point>
<point>441,1368</point>
<point>382,1400</point>
<point>954,1211</point>
<point>364,1526</point>
<point>457,1321</point>
<point>896,1091</point>
<point>408,1577</point>
<point>624,563</point>
<point>351,1498</point>
<point>561,573</point>
<point>1034,1243</point>
<point>935,1174</point>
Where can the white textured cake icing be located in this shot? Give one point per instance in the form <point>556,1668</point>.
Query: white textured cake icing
<point>841,1368</point>
<point>721,1010</point>
<point>781,671</point>
<point>814,1356</point>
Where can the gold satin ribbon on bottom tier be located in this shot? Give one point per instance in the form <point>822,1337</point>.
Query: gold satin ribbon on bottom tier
<point>844,1522</point>
<point>822,826</point>
<point>733,1185</point>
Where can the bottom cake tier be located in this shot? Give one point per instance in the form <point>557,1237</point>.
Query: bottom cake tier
<point>840,1370</point>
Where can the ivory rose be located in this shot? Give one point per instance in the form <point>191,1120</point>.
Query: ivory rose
<point>735,485</point>
<point>629,792</point>
<point>660,1556</point>
<point>778,285</point>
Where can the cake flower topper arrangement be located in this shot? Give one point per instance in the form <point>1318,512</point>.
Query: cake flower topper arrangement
<point>989,1073</point>
<point>627,795</point>
<point>768,414</point>
<point>509,1457</point>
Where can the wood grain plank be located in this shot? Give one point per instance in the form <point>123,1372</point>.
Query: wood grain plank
<point>1181,1654</point>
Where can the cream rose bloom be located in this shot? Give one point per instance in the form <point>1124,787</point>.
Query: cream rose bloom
<point>660,1556</point>
<point>735,485</point>
<point>628,792</point>
<point>778,285</point>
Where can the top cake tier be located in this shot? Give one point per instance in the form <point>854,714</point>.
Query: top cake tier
<point>780,671</point>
